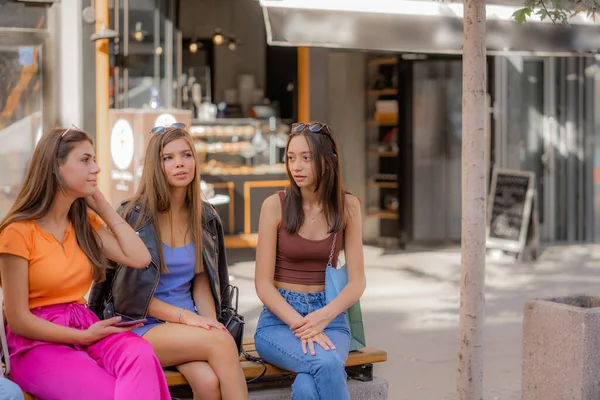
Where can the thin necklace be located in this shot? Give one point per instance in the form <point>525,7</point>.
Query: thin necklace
<point>315,216</point>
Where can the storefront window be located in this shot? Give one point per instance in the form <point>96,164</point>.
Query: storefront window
<point>20,116</point>
<point>144,60</point>
<point>20,15</point>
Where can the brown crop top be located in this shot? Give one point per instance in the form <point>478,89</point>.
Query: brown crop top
<point>302,261</point>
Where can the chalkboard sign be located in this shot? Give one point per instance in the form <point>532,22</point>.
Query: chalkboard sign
<point>510,207</point>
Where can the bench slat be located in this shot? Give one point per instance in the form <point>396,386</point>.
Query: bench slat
<point>367,355</point>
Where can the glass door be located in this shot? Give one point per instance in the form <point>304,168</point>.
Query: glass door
<point>21,119</point>
<point>437,141</point>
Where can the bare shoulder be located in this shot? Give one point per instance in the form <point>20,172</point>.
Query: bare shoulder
<point>353,206</point>
<point>272,203</point>
<point>271,208</point>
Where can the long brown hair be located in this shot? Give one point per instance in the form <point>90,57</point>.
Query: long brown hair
<point>42,182</point>
<point>328,173</point>
<point>154,193</point>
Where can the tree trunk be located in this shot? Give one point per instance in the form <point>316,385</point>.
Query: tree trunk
<point>472,300</point>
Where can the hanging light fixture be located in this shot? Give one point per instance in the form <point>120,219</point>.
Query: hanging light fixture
<point>195,45</point>
<point>138,34</point>
<point>232,43</point>
<point>218,37</point>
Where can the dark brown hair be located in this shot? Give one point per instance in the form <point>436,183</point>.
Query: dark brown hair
<point>328,173</point>
<point>154,192</point>
<point>42,182</point>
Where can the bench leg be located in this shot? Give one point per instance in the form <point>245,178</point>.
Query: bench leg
<point>362,373</point>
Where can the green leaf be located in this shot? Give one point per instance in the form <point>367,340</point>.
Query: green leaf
<point>521,15</point>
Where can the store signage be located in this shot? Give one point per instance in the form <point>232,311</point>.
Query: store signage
<point>512,212</point>
<point>165,120</point>
<point>121,144</point>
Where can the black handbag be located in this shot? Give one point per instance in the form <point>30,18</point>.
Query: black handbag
<point>230,318</point>
<point>234,322</point>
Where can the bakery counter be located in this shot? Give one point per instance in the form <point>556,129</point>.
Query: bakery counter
<point>246,192</point>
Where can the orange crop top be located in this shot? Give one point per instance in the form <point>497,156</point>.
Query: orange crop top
<point>302,261</point>
<point>57,274</point>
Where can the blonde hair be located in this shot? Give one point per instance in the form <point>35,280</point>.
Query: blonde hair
<point>154,192</point>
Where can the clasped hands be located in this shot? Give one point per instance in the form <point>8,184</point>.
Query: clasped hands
<point>310,331</point>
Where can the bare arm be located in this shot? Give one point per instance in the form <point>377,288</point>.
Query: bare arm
<point>201,292</point>
<point>164,311</point>
<point>14,271</point>
<point>170,313</point>
<point>266,248</point>
<point>121,243</point>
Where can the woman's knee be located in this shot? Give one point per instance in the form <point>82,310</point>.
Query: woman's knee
<point>330,362</point>
<point>224,344</point>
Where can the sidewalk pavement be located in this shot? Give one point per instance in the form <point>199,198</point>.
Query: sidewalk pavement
<point>410,309</point>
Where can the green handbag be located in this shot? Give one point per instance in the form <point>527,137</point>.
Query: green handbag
<point>357,330</point>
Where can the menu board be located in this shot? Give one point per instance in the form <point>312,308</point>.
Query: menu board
<point>510,207</point>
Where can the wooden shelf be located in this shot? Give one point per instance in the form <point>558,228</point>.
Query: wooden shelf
<point>382,153</point>
<point>383,214</point>
<point>385,185</point>
<point>384,92</point>
<point>383,61</point>
<point>376,123</point>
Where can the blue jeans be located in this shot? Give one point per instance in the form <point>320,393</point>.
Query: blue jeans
<point>9,390</point>
<point>322,376</point>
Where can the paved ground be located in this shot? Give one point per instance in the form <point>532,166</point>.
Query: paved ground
<point>410,309</point>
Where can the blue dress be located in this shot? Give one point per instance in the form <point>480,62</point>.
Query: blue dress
<point>174,287</point>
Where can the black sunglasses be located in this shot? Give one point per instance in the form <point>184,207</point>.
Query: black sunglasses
<point>314,127</point>
<point>157,130</point>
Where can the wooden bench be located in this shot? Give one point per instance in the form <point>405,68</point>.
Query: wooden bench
<point>358,366</point>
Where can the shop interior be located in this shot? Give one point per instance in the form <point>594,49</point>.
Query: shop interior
<point>208,62</point>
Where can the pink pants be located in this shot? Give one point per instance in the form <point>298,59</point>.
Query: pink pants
<point>121,366</point>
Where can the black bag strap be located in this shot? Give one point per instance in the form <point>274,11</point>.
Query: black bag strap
<point>231,292</point>
<point>256,360</point>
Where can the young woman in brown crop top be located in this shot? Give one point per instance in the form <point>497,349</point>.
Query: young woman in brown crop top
<point>299,230</point>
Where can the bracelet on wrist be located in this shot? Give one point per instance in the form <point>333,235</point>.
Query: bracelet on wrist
<point>112,228</point>
<point>180,314</point>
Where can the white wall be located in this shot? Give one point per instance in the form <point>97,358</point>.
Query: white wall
<point>242,18</point>
<point>70,49</point>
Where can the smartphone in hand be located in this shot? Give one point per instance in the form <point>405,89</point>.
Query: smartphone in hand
<point>130,322</point>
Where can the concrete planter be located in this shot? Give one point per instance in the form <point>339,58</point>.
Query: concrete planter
<point>561,349</point>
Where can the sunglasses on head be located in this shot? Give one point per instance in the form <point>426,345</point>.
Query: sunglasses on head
<point>157,130</point>
<point>314,127</point>
<point>73,127</point>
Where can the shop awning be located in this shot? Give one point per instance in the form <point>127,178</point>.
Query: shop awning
<point>418,27</point>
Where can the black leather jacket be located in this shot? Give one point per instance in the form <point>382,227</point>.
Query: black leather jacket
<point>127,291</point>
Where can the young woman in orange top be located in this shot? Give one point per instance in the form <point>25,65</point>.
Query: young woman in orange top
<point>51,249</point>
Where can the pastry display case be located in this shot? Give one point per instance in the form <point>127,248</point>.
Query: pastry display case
<point>242,160</point>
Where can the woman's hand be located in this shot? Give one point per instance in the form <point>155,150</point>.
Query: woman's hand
<point>199,321</point>
<point>321,339</point>
<point>96,201</point>
<point>102,329</point>
<point>311,325</point>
